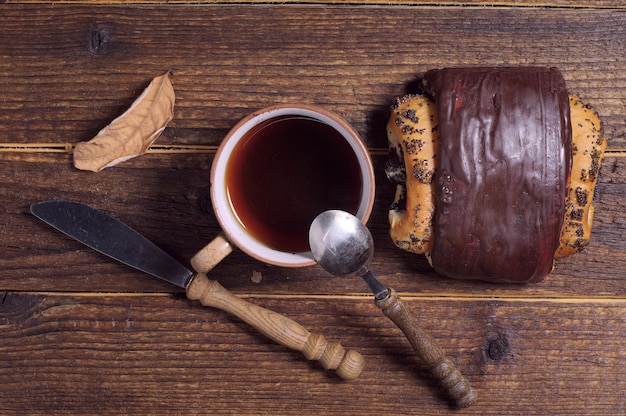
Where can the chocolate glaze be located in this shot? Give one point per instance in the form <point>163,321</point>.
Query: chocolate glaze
<point>503,174</point>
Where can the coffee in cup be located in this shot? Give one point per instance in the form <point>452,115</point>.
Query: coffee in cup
<point>277,169</point>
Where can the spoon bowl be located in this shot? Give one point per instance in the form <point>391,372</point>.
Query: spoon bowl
<point>341,243</point>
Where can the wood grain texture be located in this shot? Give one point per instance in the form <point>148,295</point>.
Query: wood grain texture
<point>78,67</point>
<point>81,334</point>
<point>143,354</point>
<point>165,197</point>
<point>594,4</point>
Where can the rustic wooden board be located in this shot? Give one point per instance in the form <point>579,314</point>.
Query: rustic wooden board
<point>595,4</point>
<point>78,67</point>
<point>164,196</point>
<point>81,334</point>
<point>161,354</point>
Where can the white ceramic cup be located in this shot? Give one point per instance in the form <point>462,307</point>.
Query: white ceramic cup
<point>234,230</point>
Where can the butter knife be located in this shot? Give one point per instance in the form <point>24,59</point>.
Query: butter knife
<point>105,234</point>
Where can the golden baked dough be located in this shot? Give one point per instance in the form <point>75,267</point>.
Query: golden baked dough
<point>588,145</point>
<point>413,135</point>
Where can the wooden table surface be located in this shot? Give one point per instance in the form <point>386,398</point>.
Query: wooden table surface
<point>82,334</point>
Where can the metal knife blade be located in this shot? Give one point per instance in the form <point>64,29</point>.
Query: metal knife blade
<point>103,233</point>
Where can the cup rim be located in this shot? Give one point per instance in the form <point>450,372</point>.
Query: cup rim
<point>224,213</point>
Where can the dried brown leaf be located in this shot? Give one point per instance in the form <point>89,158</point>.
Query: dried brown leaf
<point>133,132</point>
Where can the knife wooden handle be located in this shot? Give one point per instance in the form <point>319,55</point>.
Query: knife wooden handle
<point>456,385</point>
<point>348,364</point>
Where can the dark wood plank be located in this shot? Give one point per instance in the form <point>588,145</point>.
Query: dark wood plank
<point>161,354</point>
<point>68,346</point>
<point>73,68</point>
<point>509,3</point>
<point>165,197</point>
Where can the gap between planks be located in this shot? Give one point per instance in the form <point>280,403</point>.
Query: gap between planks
<point>407,296</point>
<point>186,149</point>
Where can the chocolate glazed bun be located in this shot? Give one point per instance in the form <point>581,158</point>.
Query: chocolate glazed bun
<point>484,164</point>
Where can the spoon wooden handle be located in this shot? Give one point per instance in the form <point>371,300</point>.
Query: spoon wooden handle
<point>427,349</point>
<point>348,364</point>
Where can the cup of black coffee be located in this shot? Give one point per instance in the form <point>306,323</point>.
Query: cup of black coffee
<point>277,169</point>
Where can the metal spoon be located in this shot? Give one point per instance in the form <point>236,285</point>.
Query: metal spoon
<point>343,246</point>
